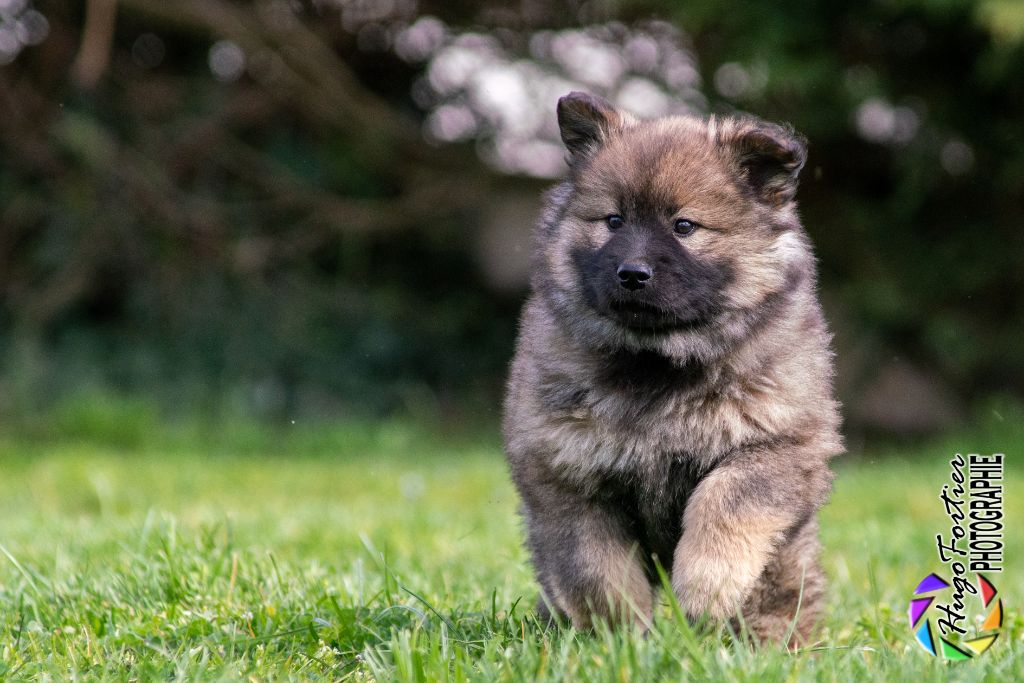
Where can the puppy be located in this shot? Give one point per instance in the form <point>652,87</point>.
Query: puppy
<point>670,400</point>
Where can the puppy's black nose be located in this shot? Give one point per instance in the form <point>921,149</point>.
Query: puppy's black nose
<point>633,276</point>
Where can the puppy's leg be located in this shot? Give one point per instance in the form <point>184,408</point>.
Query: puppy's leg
<point>787,598</point>
<point>587,565</point>
<point>734,524</point>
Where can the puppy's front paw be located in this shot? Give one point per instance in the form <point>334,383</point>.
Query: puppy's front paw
<point>711,588</point>
<point>723,550</point>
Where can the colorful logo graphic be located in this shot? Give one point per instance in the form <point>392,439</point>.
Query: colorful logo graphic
<point>971,644</point>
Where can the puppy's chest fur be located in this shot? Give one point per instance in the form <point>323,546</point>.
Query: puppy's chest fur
<point>638,417</point>
<point>636,435</point>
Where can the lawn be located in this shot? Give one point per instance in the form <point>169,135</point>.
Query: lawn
<point>387,552</point>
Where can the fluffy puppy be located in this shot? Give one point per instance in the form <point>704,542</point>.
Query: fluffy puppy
<point>670,399</point>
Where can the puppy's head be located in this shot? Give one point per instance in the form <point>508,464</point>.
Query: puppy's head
<point>677,234</point>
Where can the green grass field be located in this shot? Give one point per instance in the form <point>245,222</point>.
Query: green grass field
<point>387,553</point>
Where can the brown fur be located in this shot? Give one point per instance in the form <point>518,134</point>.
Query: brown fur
<point>689,420</point>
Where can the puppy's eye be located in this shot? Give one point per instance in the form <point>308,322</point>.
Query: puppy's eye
<point>614,221</point>
<point>685,226</point>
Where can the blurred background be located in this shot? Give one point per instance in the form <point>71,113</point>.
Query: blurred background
<point>321,210</point>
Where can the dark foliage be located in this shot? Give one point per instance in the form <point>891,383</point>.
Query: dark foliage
<point>295,245</point>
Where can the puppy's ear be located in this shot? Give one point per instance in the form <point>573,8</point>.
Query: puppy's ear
<point>768,156</point>
<point>586,121</point>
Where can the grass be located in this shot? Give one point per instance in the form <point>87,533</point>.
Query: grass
<point>385,553</point>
